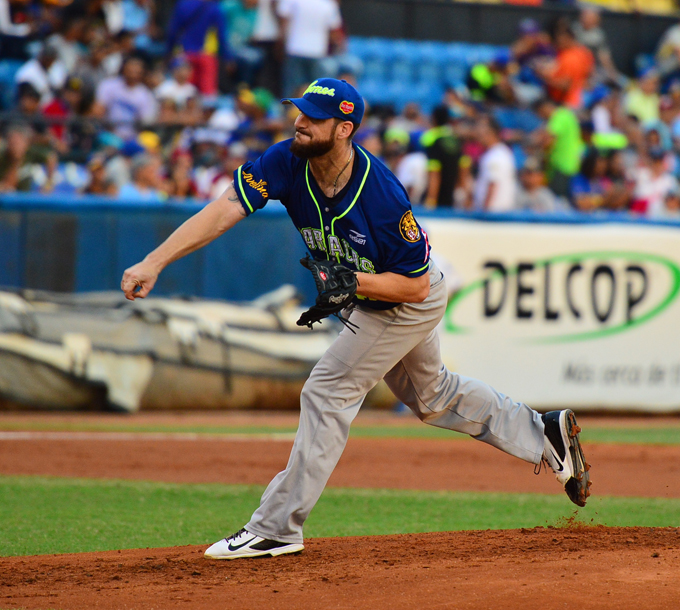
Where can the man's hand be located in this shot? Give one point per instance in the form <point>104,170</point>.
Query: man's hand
<point>139,280</point>
<point>212,221</point>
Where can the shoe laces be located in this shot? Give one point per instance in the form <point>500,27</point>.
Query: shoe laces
<point>542,465</point>
<point>236,535</point>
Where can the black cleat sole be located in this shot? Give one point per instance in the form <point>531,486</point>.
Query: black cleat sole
<point>578,486</point>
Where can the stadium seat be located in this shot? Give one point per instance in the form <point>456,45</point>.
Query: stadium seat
<point>433,52</point>
<point>429,71</point>
<point>402,71</point>
<point>375,68</point>
<point>455,73</point>
<point>517,118</point>
<point>399,71</point>
<point>374,90</point>
<point>8,70</point>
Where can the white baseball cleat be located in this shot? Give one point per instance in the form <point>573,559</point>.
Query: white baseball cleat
<point>563,453</point>
<point>245,544</point>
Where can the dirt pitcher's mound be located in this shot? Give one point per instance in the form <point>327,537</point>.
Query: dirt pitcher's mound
<point>541,568</point>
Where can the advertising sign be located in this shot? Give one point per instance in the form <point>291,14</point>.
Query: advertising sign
<point>563,315</point>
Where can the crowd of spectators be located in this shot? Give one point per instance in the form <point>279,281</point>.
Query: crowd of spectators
<point>109,103</point>
<point>598,140</point>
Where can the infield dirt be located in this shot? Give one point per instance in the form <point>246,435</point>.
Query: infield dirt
<point>535,569</point>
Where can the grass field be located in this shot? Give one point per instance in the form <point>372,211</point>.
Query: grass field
<point>661,435</point>
<point>41,515</point>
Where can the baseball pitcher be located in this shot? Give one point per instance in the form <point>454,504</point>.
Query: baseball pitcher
<point>371,263</point>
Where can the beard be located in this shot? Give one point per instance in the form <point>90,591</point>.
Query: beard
<point>313,149</point>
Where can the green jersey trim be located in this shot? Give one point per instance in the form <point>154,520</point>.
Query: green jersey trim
<point>423,267</point>
<point>245,197</point>
<point>351,205</point>
<point>309,188</point>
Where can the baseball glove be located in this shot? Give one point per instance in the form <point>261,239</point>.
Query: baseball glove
<point>336,285</point>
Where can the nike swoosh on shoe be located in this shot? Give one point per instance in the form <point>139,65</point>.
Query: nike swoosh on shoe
<point>240,546</point>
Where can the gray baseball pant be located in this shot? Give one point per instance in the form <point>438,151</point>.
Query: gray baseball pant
<point>400,345</point>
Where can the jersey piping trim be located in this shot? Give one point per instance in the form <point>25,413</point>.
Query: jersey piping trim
<point>423,267</point>
<point>245,197</point>
<point>309,188</point>
<point>351,205</point>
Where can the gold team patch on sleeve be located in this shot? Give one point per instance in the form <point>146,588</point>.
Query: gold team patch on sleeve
<point>409,228</point>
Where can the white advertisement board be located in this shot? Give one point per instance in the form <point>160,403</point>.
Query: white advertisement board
<point>585,316</point>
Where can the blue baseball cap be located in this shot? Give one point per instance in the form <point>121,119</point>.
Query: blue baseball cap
<point>328,98</point>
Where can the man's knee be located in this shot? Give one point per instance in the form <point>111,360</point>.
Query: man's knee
<point>316,397</point>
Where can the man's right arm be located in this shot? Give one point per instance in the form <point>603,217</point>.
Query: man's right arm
<point>212,221</point>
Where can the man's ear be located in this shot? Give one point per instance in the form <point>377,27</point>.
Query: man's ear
<point>344,130</point>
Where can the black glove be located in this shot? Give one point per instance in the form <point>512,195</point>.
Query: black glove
<point>336,285</point>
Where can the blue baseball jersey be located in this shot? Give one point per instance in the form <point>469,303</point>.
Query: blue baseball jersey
<point>368,227</point>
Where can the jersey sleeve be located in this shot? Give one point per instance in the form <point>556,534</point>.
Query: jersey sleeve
<point>406,248</point>
<point>267,178</point>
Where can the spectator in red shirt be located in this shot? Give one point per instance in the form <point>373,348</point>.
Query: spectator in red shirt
<point>66,103</point>
<point>568,75</point>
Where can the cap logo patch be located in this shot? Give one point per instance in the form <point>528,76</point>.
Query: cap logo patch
<point>314,88</point>
<point>347,107</point>
<point>409,228</point>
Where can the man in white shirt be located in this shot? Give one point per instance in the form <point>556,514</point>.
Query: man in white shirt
<point>653,183</point>
<point>45,73</point>
<point>177,89</point>
<point>496,186</point>
<point>125,100</point>
<point>309,27</point>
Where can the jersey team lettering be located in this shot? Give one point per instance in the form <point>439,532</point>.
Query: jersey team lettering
<point>314,240</point>
<point>347,107</point>
<point>409,228</point>
<point>260,186</point>
<point>314,88</point>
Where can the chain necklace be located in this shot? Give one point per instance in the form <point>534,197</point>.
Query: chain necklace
<point>335,184</point>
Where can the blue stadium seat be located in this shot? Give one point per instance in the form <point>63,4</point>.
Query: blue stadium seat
<point>8,70</point>
<point>404,49</point>
<point>357,45</point>
<point>457,52</point>
<point>375,91</point>
<point>375,68</point>
<point>517,118</point>
<point>455,73</point>
<point>429,71</point>
<point>428,95</point>
<point>486,53</point>
<point>383,48</point>
<point>402,70</point>
<point>370,47</point>
<point>398,71</point>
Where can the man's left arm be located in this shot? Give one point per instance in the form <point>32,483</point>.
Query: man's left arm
<point>393,287</point>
